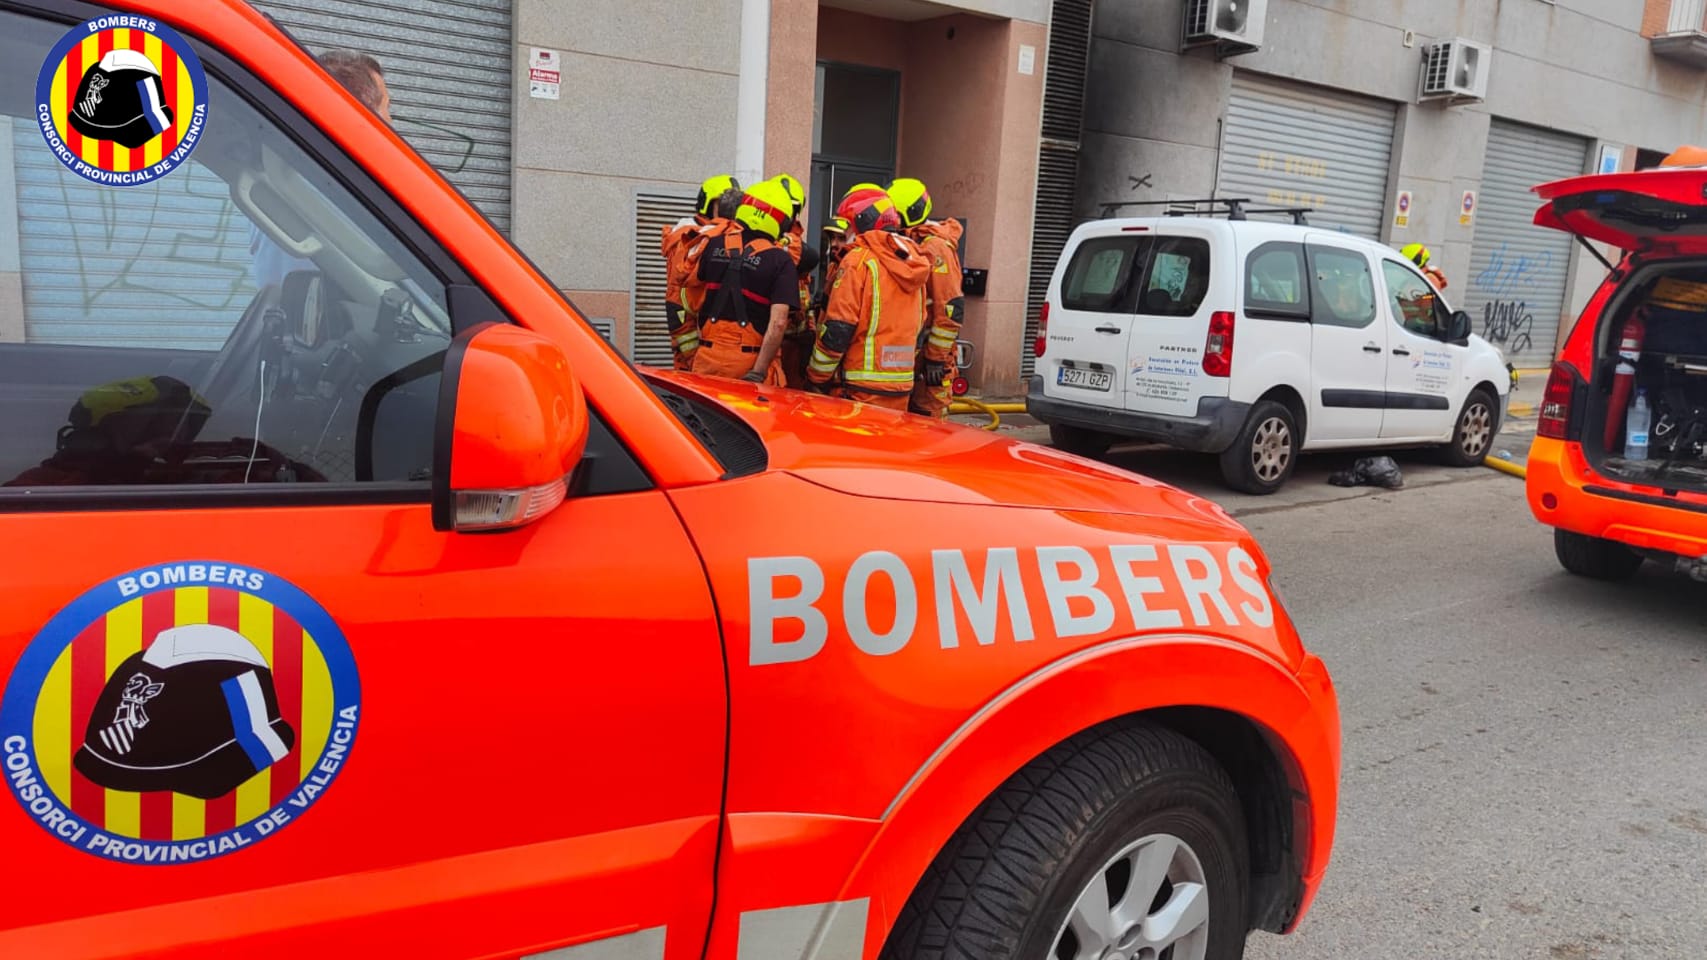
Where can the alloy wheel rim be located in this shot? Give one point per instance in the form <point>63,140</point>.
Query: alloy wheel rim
<point>1478,429</point>
<point>1271,449</point>
<point>1150,901</point>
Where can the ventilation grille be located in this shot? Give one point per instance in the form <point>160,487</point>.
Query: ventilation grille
<point>1064,74</point>
<point>1057,157</point>
<point>653,212</point>
<point>605,327</point>
<point>1437,68</point>
<point>1197,14</point>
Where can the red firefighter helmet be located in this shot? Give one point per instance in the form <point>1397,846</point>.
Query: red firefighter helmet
<point>867,207</point>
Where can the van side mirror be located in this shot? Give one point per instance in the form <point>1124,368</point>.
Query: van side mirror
<point>1458,328</point>
<point>512,426</point>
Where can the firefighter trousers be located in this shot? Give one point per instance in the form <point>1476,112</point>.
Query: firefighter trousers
<point>893,401</point>
<point>728,348</point>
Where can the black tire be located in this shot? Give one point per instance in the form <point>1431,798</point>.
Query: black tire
<point>1473,433</point>
<point>1003,886</point>
<point>1260,461</point>
<point>1595,558</point>
<point>1078,440</point>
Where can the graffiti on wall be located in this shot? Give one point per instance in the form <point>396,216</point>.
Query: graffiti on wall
<point>164,265</point>
<point>1508,281</point>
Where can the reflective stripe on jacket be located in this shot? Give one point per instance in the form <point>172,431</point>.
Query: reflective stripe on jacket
<point>870,332</point>
<point>940,241</point>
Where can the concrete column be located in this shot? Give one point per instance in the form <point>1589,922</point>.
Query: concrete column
<point>649,102</point>
<point>1016,199</point>
<point>789,96</point>
<point>1438,154</point>
<point>751,93</point>
<point>969,127</point>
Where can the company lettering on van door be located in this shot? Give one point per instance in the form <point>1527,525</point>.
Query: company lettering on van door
<point>1084,593</point>
<point>1433,370</point>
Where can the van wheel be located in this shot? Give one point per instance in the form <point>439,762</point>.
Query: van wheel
<point>1078,440</point>
<point>1473,436</point>
<point>1263,456</point>
<point>1125,841</point>
<point>1595,558</point>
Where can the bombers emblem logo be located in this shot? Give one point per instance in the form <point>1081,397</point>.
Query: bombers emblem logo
<point>121,100</point>
<point>179,712</point>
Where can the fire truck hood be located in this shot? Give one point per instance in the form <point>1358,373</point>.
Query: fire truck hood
<point>874,452</point>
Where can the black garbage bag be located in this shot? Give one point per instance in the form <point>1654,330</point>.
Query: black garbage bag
<point>1370,472</point>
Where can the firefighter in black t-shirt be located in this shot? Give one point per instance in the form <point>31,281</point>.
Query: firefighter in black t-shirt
<point>750,283</point>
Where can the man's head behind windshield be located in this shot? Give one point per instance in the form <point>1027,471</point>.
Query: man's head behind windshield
<point>362,76</point>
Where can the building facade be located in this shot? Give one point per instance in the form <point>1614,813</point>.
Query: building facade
<point>1025,116</point>
<point>583,127</point>
<point>1329,112</point>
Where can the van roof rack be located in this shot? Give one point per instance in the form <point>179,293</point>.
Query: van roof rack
<point>1234,206</point>
<point>1297,213</point>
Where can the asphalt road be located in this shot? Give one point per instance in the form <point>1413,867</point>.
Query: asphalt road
<point>1525,752</point>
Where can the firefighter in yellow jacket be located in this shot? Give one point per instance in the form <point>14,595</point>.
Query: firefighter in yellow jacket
<point>945,303</point>
<point>868,338</point>
<point>719,197</point>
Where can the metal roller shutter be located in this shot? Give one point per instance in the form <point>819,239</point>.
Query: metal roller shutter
<point>649,336</point>
<point>448,65</point>
<point>163,266</point>
<point>1516,288</point>
<point>1064,73</point>
<point>167,265</point>
<point>1286,144</point>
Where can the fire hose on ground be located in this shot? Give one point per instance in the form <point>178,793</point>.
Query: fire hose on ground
<point>992,410</point>
<point>1494,462</point>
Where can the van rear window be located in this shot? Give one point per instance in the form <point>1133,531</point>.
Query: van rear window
<point>1099,278</point>
<point>1160,276</point>
<point>1179,277</point>
<point>1275,281</point>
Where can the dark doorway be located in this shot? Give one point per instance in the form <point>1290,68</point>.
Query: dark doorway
<point>856,126</point>
<point>1648,159</point>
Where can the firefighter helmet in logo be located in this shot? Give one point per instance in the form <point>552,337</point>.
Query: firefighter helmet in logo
<point>179,712</point>
<point>195,713</point>
<point>121,100</point>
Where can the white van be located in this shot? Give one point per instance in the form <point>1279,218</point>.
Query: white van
<point>1256,340</point>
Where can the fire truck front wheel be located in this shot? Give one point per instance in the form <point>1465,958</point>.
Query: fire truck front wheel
<point>1126,841</point>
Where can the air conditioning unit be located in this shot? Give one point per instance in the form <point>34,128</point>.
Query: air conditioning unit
<point>1455,71</point>
<point>1233,26</point>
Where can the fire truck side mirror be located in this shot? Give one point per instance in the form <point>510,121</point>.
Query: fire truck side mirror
<point>512,426</point>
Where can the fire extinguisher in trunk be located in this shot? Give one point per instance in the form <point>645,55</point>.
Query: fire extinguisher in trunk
<point>1624,377</point>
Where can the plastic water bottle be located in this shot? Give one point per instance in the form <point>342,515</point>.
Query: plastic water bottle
<point>1636,428</point>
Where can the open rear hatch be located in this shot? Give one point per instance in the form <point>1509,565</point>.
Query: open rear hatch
<point>1652,334</point>
<point>1660,211</point>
